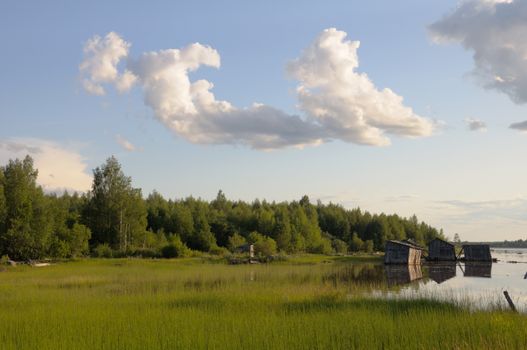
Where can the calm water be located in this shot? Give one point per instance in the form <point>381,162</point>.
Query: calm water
<point>479,285</point>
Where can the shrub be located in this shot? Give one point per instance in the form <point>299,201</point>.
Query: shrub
<point>220,251</point>
<point>146,253</point>
<point>78,244</point>
<point>321,247</point>
<point>155,240</point>
<point>169,251</point>
<point>263,246</point>
<point>4,260</point>
<point>103,251</point>
<point>175,249</point>
<point>339,246</point>
<point>266,247</point>
<point>236,241</point>
<point>59,249</point>
<point>368,246</point>
<point>356,243</point>
<point>254,237</point>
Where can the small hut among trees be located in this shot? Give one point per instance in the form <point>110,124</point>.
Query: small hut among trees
<point>398,252</point>
<point>477,252</point>
<point>440,250</point>
<point>246,248</point>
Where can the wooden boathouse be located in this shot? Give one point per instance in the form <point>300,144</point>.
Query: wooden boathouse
<point>440,250</point>
<point>402,252</point>
<point>477,252</point>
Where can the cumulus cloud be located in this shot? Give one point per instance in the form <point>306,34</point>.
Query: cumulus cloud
<point>59,167</point>
<point>522,126</point>
<point>495,31</point>
<point>101,57</point>
<point>124,143</point>
<point>339,103</point>
<point>475,124</point>
<point>347,103</point>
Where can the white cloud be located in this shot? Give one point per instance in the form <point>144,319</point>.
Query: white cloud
<point>101,57</point>
<point>346,103</point>
<point>495,31</point>
<point>475,124</point>
<point>59,167</point>
<point>124,143</point>
<point>339,103</point>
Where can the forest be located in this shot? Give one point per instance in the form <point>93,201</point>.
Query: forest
<point>520,243</point>
<point>114,219</point>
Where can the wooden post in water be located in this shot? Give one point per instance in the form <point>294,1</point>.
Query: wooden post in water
<point>509,300</point>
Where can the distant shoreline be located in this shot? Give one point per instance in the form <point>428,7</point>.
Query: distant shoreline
<point>503,244</point>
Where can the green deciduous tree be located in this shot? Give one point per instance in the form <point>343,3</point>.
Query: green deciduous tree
<point>201,237</point>
<point>34,224</point>
<point>26,226</point>
<point>356,244</point>
<point>3,209</point>
<point>175,248</point>
<point>282,230</point>
<point>368,246</point>
<point>339,246</point>
<point>263,245</point>
<point>157,212</point>
<point>116,212</point>
<point>236,241</point>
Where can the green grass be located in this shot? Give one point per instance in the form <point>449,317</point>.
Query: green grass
<point>193,304</point>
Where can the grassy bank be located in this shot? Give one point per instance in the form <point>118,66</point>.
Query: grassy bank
<point>191,304</point>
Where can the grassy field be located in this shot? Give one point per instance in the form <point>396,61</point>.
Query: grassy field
<point>308,303</point>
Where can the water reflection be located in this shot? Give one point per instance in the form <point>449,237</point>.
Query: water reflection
<point>440,273</point>
<point>478,270</point>
<point>367,273</point>
<point>402,274</point>
<point>476,285</point>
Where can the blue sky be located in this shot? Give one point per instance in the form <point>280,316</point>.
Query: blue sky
<point>468,182</point>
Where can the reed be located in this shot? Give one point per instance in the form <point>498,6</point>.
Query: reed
<point>193,304</point>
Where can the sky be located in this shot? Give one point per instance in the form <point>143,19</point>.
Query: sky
<point>407,107</point>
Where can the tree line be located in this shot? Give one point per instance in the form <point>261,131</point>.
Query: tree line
<point>520,243</point>
<point>114,219</point>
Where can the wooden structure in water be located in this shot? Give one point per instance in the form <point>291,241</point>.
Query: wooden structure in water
<point>403,253</point>
<point>440,250</point>
<point>476,252</point>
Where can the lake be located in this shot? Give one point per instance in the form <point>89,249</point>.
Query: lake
<point>478,286</point>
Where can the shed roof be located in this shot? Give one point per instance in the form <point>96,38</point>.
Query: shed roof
<point>407,244</point>
<point>442,240</point>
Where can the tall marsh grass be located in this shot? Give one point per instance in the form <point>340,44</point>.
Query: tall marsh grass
<point>187,304</point>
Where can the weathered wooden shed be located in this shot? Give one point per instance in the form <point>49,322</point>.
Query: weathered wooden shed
<point>397,252</point>
<point>440,250</point>
<point>477,252</point>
